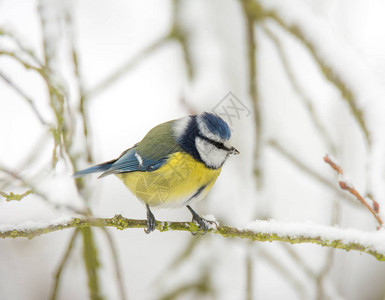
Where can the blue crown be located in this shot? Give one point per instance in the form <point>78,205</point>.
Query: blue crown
<point>216,125</point>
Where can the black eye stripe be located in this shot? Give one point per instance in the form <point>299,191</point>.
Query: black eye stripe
<point>215,143</point>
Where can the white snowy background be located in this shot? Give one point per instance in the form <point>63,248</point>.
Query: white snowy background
<point>349,35</point>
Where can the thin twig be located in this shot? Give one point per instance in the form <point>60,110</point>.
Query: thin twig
<point>117,264</point>
<point>15,197</point>
<point>249,262</point>
<point>199,288</point>
<point>61,135</point>
<point>347,186</point>
<point>25,64</point>
<point>24,96</point>
<point>91,262</point>
<point>176,33</point>
<point>179,34</point>
<point>329,73</point>
<point>38,193</point>
<point>284,272</point>
<point>298,259</point>
<point>186,253</point>
<point>253,88</point>
<point>314,174</point>
<point>36,151</point>
<point>127,66</point>
<point>257,12</point>
<point>298,89</point>
<point>21,46</point>
<point>183,256</point>
<point>79,85</point>
<point>319,277</point>
<point>62,265</point>
<point>54,92</point>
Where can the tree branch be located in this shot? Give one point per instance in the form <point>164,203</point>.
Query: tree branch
<point>371,204</point>
<point>251,42</point>
<point>257,11</point>
<point>309,171</point>
<point>23,95</point>
<point>117,264</point>
<point>63,263</point>
<point>262,231</point>
<point>295,83</point>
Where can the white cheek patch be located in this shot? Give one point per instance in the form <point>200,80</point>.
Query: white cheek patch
<point>211,155</point>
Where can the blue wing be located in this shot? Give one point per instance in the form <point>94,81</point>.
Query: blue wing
<point>95,169</point>
<point>129,161</point>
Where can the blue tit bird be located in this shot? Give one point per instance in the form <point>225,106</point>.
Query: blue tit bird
<point>175,164</point>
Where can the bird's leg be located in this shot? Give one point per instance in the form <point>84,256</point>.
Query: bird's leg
<point>203,223</point>
<point>150,221</point>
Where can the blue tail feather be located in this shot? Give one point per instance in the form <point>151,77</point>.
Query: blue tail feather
<point>95,169</point>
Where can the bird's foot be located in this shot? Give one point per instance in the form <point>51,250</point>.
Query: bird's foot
<point>151,222</point>
<point>204,225</point>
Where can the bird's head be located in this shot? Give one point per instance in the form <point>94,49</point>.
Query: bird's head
<point>207,137</point>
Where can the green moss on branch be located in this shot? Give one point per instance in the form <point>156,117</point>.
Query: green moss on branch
<point>122,223</point>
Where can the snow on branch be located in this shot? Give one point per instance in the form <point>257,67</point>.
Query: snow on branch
<point>345,184</point>
<point>372,243</point>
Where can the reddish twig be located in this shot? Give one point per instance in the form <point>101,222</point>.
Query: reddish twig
<point>347,186</point>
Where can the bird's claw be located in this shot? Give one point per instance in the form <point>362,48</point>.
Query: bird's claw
<point>204,225</point>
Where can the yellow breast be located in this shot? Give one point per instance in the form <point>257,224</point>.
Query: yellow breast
<point>174,184</point>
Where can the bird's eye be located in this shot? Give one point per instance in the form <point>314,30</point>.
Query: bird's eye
<point>219,145</point>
